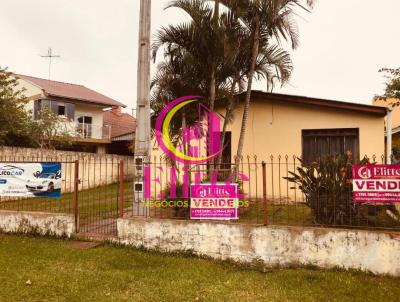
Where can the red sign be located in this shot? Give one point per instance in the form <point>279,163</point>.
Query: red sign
<point>376,183</point>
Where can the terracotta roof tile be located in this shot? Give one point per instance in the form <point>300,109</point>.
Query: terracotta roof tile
<point>70,91</point>
<point>121,123</point>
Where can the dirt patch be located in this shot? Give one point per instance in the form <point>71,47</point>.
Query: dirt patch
<point>83,245</point>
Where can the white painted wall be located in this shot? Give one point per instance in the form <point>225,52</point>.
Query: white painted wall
<point>37,222</point>
<point>94,111</point>
<point>30,90</point>
<point>376,252</point>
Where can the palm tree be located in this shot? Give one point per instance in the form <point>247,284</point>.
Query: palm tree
<point>266,19</point>
<point>201,37</point>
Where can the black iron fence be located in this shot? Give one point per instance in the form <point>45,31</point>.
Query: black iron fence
<point>98,190</point>
<point>269,196</point>
<point>93,189</point>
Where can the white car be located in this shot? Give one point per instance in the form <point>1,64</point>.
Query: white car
<point>45,182</point>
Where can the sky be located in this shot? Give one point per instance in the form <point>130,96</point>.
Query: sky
<point>343,44</point>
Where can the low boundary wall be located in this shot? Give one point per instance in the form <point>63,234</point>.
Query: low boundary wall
<point>375,252</point>
<point>37,223</point>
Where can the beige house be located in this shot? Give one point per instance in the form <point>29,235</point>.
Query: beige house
<point>282,128</point>
<point>390,103</point>
<point>80,109</point>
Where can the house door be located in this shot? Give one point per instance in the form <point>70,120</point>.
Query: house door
<point>85,126</point>
<point>318,143</point>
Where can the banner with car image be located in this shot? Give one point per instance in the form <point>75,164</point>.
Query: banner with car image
<point>30,179</point>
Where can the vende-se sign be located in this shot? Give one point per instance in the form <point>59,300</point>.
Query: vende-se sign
<point>218,201</point>
<point>376,183</point>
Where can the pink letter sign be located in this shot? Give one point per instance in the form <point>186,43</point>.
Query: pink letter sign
<point>376,183</point>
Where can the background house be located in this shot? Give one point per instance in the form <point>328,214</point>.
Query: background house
<point>123,127</point>
<point>390,103</point>
<point>80,108</point>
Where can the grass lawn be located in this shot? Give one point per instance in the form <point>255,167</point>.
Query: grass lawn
<point>57,272</point>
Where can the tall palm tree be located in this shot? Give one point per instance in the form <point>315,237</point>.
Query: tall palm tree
<point>272,20</point>
<point>201,37</point>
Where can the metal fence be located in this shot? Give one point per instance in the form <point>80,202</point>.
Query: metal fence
<point>93,190</point>
<point>270,198</point>
<point>98,190</point>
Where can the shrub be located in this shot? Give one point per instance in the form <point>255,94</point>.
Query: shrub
<point>327,185</point>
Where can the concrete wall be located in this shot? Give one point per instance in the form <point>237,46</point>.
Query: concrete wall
<point>376,252</point>
<point>94,169</point>
<point>37,223</point>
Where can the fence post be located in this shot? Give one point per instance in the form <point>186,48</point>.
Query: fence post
<point>264,180</point>
<point>76,188</point>
<point>121,188</point>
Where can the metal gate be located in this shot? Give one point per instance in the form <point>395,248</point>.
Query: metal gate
<point>99,191</point>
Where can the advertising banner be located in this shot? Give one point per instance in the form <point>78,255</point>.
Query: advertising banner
<point>30,179</point>
<point>214,201</point>
<point>376,183</point>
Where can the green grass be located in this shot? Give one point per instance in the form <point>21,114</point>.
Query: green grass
<point>101,200</point>
<point>109,273</point>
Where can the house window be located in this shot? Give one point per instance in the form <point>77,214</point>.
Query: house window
<point>61,109</point>
<point>85,126</point>
<point>58,108</point>
<point>318,143</point>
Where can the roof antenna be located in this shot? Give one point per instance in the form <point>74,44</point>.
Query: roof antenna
<point>50,56</point>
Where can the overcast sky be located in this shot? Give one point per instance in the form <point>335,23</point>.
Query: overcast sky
<point>343,44</point>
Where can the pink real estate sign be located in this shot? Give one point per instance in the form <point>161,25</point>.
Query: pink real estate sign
<point>376,183</point>
<point>217,201</point>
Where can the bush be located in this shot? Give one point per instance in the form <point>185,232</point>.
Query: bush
<point>327,185</point>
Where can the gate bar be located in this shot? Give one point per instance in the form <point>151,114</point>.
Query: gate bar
<point>121,188</point>
<point>76,188</point>
<point>264,180</point>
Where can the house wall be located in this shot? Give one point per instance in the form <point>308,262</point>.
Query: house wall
<point>30,91</point>
<point>395,112</point>
<point>96,112</point>
<point>276,128</point>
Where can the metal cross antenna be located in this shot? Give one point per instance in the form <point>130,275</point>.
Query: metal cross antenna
<point>50,56</point>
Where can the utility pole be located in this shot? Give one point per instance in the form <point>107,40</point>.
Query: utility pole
<point>50,56</point>
<point>142,139</point>
<point>143,130</point>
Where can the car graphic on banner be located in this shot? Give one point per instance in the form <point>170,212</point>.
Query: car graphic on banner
<point>30,179</point>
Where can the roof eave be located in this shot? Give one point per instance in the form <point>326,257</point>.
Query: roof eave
<point>86,101</point>
<point>360,108</point>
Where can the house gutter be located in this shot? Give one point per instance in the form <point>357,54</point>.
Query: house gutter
<point>389,136</point>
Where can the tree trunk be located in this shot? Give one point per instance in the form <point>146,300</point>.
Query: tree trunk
<point>246,106</point>
<point>228,114</point>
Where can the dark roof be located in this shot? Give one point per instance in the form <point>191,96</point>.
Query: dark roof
<point>120,123</point>
<point>316,102</point>
<point>70,91</point>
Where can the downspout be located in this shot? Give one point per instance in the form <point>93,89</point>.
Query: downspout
<point>389,136</point>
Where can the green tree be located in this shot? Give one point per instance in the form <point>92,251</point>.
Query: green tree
<point>18,128</point>
<point>266,19</point>
<point>14,119</point>
<point>392,90</point>
<point>49,132</point>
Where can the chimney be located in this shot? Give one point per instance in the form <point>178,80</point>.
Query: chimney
<point>116,110</point>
